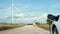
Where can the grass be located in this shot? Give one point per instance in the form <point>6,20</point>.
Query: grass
<point>9,26</point>
<point>44,26</point>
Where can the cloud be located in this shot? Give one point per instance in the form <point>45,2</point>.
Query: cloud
<point>20,15</point>
<point>0,17</point>
<point>25,18</point>
<point>42,18</point>
<point>3,17</point>
<point>32,15</point>
<point>25,15</point>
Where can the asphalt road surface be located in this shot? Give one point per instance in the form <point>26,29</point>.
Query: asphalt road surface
<point>28,29</point>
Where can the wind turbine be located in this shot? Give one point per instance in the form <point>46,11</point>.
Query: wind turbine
<point>13,10</point>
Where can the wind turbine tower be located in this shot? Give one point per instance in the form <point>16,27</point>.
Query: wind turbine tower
<point>12,10</point>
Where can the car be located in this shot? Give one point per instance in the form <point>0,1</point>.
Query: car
<point>55,23</point>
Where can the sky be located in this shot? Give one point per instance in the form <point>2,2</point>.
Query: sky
<point>28,11</point>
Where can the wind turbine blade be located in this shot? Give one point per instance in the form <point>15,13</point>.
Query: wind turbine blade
<point>17,9</point>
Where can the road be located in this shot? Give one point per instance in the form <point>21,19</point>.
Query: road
<point>28,29</point>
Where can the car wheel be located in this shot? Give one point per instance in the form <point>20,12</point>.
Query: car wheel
<point>55,31</point>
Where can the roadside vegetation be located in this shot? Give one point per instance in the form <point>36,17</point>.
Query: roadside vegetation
<point>10,26</point>
<point>47,26</point>
<point>44,26</point>
<point>30,24</point>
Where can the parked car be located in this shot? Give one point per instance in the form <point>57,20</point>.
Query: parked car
<point>55,23</point>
